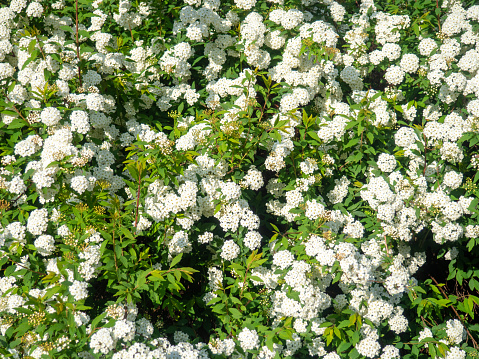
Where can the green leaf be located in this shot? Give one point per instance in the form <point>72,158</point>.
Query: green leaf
<point>214,300</point>
<point>270,342</point>
<point>443,348</point>
<point>235,313</point>
<point>176,260</point>
<point>343,346</point>
<point>218,308</point>
<point>84,33</point>
<point>66,28</point>
<point>353,354</point>
<point>97,320</point>
<point>31,46</point>
<point>256,278</point>
<point>432,350</point>
<point>157,274</point>
<point>370,137</point>
<point>127,233</point>
<point>344,324</point>
<point>314,136</point>
<point>17,123</point>
<point>9,270</point>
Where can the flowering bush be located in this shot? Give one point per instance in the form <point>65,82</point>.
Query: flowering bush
<point>239,179</point>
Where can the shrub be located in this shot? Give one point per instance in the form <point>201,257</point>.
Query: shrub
<point>239,179</point>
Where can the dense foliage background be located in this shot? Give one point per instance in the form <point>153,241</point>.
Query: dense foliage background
<point>239,179</point>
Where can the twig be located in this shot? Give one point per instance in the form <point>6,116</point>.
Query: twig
<point>426,322</point>
<point>77,42</point>
<point>476,346</point>
<point>425,154</point>
<point>40,46</point>
<point>137,201</point>
<point>231,170</point>
<point>16,110</point>
<point>438,18</point>
<point>131,33</point>
<point>114,252</point>
<point>345,163</point>
<point>386,243</point>
<point>31,270</point>
<point>20,195</point>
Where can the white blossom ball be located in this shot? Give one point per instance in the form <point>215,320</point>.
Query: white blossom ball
<point>79,184</point>
<point>252,240</point>
<point>6,70</point>
<point>455,331</point>
<point>386,162</point>
<point>17,5</point>
<point>245,4</point>
<point>455,353</point>
<point>409,63</point>
<point>180,337</point>
<point>337,11</point>
<point>405,137</point>
<point>50,116</point>
<point>473,108</point>
<point>394,75</point>
<point>248,339</point>
<point>398,323</point>
<point>376,57</point>
<point>230,250</point>
<point>368,347</point>
<point>124,329</point>
<point>332,355</point>
<point>453,179</point>
<point>79,122</point>
<point>391,51</point>
<point>45,244</point>
<point>102,342</point>
<point>17,186</point>
<point>426,46</point>
<point>206,237</point>
<point>283,259</point>
<point>38,221</point>
<point>79,290</point>
<point>390,352</point>
<point>144,327</point>
<point>34,9</point>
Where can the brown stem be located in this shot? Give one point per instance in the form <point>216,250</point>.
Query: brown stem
<point>244,281</point>
<point>20,195</point>
<point>40,46</point>
<point>231,170</point>
<point>265,101</point>
<point>386,243</point>
<point>425,153</point>
<point>294,167</point>
<point>77,42</point>
<point>476,346</point>
<point>438,18</point>
<point>137,201</point>
<point>131,33</point>
<point>426,322</point>
<point>114,253</point>
<point>16,110</point>
<point>20,265</point>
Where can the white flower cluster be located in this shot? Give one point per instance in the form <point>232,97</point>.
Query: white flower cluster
<point>248,339</point>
